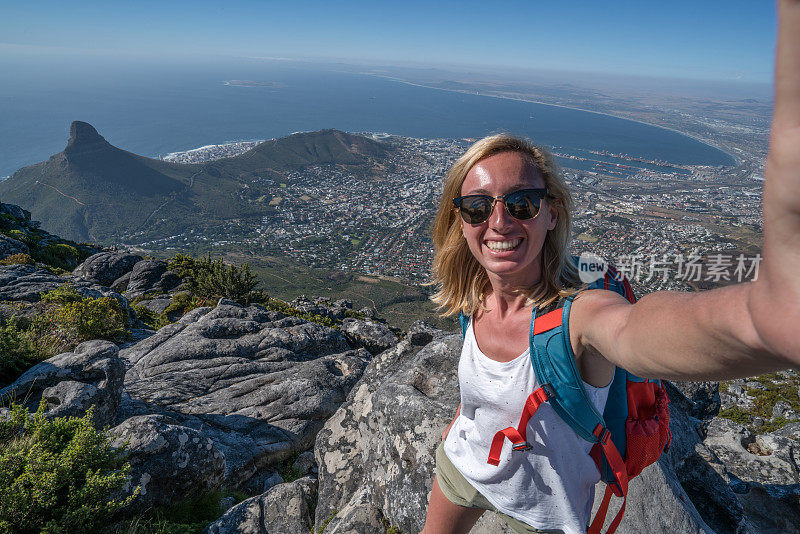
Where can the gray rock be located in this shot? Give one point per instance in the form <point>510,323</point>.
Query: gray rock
<point>226,503</point>
<point>704,397</point>
<point>157,305</point>
<point>305,463</point>
<point>91,375</point>
<point>767,459</point>
<point>105,267</point>
<point>368,312</point>
<point>375,454</point>
<point>15,211</point>
<point>9,246</point>
<point>26,282</point>
<point>259,384</point>
<point>373,336</point>
<point>150,276</point>
<point>121,283</point>
<point>783,409</point>
<point>168,461</point>
<point>284,509</point>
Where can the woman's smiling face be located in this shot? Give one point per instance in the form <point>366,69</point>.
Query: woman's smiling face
<point>509,249</point>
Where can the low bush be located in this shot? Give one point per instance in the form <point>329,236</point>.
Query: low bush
<point>150,318</point>
<point>68,318</point>
<point>92,319</point>
<point>58,255</point>
<point>210,279</point>
<point>57,475</point>
<point>18,351</point>
<point>18,259</point>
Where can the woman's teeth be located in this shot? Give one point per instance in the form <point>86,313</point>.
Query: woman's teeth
<point>503,245</point>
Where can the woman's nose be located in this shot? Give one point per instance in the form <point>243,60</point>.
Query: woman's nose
<point>500,218</point>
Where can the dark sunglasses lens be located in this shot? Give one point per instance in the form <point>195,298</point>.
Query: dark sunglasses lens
<point>523,204</point>
<point>475,210</point>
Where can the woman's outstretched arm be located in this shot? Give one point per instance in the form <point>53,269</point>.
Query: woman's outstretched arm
<point>739,330</point>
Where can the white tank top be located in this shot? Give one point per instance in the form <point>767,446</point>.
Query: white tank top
<point>549,486</point>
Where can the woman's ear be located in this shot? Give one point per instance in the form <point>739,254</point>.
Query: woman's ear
<point>552,209</point>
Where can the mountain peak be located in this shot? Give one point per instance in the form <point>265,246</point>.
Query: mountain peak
<point>84,138</point>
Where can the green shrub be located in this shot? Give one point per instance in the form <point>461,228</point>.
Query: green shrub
<point>150,318</point>
<point>18,351</point>
<point>58,255</point>
<point>17,259</point>
<point>18,235</point>
<point>288,472</point>
<point>92,319</point>
<point>209,278</point>
<point>63,294</point>
<point>286,309</point>
<point>183,302</point>
<point>57,476</point>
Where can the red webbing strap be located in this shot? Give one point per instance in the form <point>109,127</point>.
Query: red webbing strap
<point>547,322</point>
<point>518,435</point>
<point>621,489</point>
<point>600,517</point>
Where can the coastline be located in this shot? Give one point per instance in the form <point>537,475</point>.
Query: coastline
<point>736,159</point>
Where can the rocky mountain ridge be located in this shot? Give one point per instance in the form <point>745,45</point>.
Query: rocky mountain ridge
<point>229,394</point>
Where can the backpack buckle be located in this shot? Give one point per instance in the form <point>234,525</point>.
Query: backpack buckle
<point>522,446</point>
<point>604,435</point>
<point>548,388</point>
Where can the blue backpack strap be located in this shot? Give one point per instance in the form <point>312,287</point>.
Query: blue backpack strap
<point>554,364</point>
<point>464,322</point>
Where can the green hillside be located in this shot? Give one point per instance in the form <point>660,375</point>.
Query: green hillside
<point>93,191</point>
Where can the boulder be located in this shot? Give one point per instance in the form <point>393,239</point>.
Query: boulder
<point>105,267</point>
<point>376,453</point>
<point>373,336</point>
<point>9,246</point>
<point>285,508</point>
<point>150,276</point>
<point>704,397</point>
<point>91,375</point>
<point>768,458</point>
<point>258,383</point>
<point>121,283</point>
<point>168,461</point>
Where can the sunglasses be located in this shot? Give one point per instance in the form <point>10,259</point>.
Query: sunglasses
<point>523,204</point>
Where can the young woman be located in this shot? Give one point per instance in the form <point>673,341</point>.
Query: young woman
<point>500,238</point>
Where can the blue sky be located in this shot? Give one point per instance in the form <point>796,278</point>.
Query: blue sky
<point>718,40</point>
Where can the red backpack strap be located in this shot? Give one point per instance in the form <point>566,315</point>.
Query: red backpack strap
<point>620,488</point>
<point>518,435</point>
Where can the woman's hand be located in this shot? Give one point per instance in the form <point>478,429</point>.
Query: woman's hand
<point>739,330</point>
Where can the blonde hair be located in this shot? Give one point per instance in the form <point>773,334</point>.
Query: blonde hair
<point>462,282</point>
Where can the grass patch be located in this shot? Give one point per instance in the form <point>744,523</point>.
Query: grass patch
<point>187,516</point>
<point>777,387</point>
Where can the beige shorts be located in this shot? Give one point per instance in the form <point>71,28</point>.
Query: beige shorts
<point>458,491</point>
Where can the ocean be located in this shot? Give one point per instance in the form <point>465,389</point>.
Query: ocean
<point>155,109</point>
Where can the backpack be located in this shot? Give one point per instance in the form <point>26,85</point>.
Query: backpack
<point>633,429</point>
